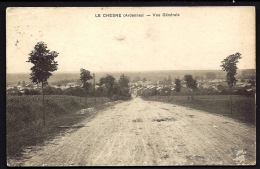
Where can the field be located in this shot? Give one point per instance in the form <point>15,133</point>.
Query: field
<point>243,107</point>
<point>24,124</point>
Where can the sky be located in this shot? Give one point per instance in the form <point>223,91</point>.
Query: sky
<point>198,39</point>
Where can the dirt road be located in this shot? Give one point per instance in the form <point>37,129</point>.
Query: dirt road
<point>145,133</point>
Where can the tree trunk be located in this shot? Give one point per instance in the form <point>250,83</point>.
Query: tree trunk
<point>43,106</point>
<point>230,96</point>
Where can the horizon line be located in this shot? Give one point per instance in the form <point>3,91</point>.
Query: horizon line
<point>118,71</point>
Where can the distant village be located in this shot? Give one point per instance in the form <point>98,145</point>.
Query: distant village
<point>167,87</point>
<point>22,87</point>
<point>143,87</point>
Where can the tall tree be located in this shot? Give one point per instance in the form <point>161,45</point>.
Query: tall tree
<point>19,83</point>
<point>108,82</point>
<point>116,91</point>
<point>177,85</point>
<point>44,63</point>
<point>191,84</point>
<point>230,66</point>
<point>124,84</point>
<point>84,77</point>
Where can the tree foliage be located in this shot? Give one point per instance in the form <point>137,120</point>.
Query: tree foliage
<point>49,90</point>
<point>190,82</point>
<point>230,66</point>
<point>177,85</point>
<point>84,77</point>
<point>75,91</point>
<point>100,91</point>
<point>44,63</point>
<point>123,84</point>
<point>108,83</point>
<point>123,81</point>
<point>31,92</point>
<point>115,90</point>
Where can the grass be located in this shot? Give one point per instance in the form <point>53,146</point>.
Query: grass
<point>243,107</point>
<point>24,124</point>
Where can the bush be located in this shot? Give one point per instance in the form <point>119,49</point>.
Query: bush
<point>114,97</point>
<point>76,91</point>
<point>31,92</point>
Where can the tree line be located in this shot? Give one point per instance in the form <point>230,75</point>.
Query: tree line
<point>44,63</point>
<point>107,86</point>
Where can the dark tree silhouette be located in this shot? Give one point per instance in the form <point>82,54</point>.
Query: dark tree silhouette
<point>84,77</point>
<point>178,85</point>
<point>108,83</point>
<point>123,84</point>
<point>230,66</point>
<point>44,64</point>
<point>191,84</point>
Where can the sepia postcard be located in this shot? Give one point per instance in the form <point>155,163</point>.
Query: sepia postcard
<point>131,86</point>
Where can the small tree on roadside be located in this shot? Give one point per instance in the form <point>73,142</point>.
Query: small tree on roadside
<point>44,64</point>
<point>191,84</point>
<point>230,66</point>
<point>84,77</point>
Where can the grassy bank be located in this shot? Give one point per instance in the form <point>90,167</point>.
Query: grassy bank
<point>24,124</point>
<point>243,107</point>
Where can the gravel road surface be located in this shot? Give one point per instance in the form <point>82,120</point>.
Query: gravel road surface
<point>144,133</point>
